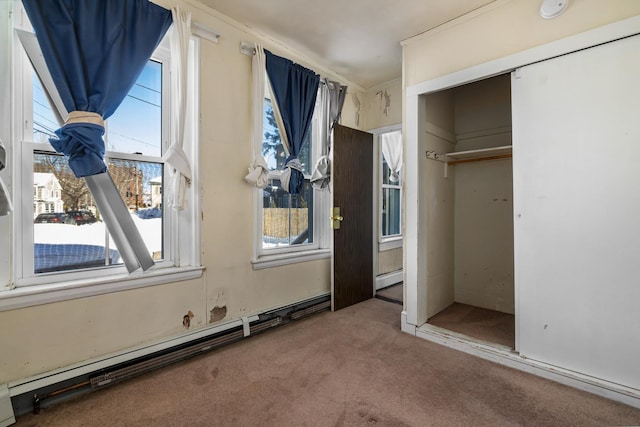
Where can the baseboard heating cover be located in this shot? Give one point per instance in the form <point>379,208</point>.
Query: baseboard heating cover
<point>53,387</point>
<point>389,279</point>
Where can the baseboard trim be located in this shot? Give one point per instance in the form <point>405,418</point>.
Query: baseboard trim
<point>405,326</point>
<point>389,279</point>
<point>65,379</point>
<point>505,356</point>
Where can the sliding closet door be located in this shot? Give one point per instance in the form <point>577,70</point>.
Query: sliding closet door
<point>576,167</point>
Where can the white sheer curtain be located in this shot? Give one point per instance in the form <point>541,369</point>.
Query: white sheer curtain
<point>332,96</point>
<point>5,200</point>
<point>392,152</point>
<point>320,176</point>
<point>175,157</point>
<point>258,171</point>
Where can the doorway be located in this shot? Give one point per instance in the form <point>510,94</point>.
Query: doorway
<point>470,279</point>
<point>387,213</point>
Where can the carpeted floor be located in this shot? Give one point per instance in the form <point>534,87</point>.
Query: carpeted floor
<point>476,322</point>
<point>349,368</point>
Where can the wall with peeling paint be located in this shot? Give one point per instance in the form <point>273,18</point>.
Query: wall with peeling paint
<point>41,338</point>
<point>384,105</point>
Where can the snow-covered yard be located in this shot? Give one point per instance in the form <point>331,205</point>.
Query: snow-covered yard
<point>58,241</point>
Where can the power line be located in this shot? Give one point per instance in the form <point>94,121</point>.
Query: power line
<point>44,127</point>
<point>148,88</point>
<point>144,100</point>
<point>46,118</point>
<point>150,144</point>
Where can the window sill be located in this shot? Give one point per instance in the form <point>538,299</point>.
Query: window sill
<point>269,261</point>
<point>390,244</point>
<point>28,296</point>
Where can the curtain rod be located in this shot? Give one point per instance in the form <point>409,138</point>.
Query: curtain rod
<point>249,49</point>
<point>205,32</point>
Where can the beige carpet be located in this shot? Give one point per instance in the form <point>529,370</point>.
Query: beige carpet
<point>349,368</point>
<point>476,322</point>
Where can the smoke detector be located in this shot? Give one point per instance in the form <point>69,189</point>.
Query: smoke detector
<point>552,8</point>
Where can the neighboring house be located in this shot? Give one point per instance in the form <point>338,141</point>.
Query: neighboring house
<point>156,192</point>
<point>47,194</point>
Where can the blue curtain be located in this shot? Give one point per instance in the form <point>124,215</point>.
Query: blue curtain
<point>95,50</point>
<point>295,89</point>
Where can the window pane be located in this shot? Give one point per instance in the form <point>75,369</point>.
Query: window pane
<point>287,219</point>
<point>136,126</point>
<point>272,148</point>
<point>305,153</point>
<point>140,185</point>
<point>68,231</point>
<point>44,121</point>
<point>390,211</point>
<point>386,173</point>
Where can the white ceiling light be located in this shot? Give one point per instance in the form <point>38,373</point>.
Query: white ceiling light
<point>552,8</point>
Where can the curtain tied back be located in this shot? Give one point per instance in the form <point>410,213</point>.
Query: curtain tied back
<point>295,89</point>
<point>95,51</point>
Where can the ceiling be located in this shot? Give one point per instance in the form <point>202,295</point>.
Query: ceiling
<point>359,39</point>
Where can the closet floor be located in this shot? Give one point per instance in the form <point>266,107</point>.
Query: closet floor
<point>487,325</point>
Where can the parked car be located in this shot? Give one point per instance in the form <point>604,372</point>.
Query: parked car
<point>81,217</point>
<point>53,218</point>
<point>149,213</point>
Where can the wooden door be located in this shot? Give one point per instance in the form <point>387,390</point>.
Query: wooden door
<point>352,259</point>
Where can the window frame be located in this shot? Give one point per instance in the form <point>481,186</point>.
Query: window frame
<point>396,240</point>
<point>319,248</point>
<point>181,247</point>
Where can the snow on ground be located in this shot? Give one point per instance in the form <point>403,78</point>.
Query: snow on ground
<point>94,234</point>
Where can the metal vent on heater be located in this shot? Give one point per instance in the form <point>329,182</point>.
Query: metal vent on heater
<point>310,310</point>
<point>112,377</point>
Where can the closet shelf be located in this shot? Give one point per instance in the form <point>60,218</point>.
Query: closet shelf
<point>494,153</point>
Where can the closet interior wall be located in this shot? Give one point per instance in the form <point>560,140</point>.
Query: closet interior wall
<point>470,205</point>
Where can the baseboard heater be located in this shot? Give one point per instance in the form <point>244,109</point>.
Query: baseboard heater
<point>44,396</point>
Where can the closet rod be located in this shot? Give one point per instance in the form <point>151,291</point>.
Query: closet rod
<point>480,159</point>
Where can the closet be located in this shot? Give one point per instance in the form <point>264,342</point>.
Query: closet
<point>470,273</point>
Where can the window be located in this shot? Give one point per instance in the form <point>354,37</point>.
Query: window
<point>290,223</point>
<point>134,144</point>
<point>391,201</point>
<point>390,196</point>
<point>286,217</point>
<point>70,242</point>
<point>133,139</point>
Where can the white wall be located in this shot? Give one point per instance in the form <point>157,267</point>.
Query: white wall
<point>577,204</point>
<point>499,29</point>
